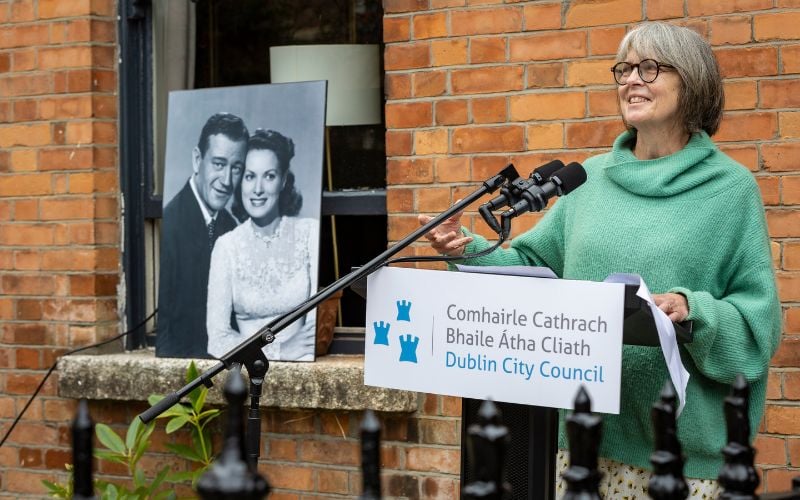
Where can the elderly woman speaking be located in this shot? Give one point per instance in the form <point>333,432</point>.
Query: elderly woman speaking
<point>667,204</point>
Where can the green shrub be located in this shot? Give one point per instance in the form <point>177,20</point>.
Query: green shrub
<point>130,450</point>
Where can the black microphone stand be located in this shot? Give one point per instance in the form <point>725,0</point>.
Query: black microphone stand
<point>249,353</point>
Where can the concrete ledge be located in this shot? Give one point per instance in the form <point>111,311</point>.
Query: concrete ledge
<point>334,382</point>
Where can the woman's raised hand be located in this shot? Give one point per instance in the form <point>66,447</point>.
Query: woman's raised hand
<point>446,238</point>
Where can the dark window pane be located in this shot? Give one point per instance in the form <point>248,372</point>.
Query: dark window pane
<point>234,37</point>
<point>360,239</point>
<point>233,41</point>
<point>358,157</point>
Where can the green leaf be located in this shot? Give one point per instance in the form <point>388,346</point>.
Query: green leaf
<point>192,372</point>
<point>138,477</point>
<point>196,476</point>
<point>56,490</point>
<point>109,438</point>
<point>176,409</point>
<point>176,423</point>
<point>184,451</point>
<point>208,415</point>
<point>201,445</point>
<point>198,403</point>
<point>133,433</point>
<point>142,443</point>
<point>156,483</point>
<point>140,492</point>
<point>165,495</point>
<point>111,456</point>
<point>180,477</point>
<point>110,492</point>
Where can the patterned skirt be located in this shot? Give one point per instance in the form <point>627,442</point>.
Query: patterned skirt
<point>626,482</point>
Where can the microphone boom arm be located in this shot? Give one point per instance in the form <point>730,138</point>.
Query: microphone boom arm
<point>250,349</point>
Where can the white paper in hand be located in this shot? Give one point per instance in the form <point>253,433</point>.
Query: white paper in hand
<point>666,336</point>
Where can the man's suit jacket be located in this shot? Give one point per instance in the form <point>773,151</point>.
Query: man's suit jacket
<point>183,277</point>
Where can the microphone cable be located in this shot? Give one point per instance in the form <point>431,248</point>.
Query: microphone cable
<point>450,258</point>
<point>55,364</point>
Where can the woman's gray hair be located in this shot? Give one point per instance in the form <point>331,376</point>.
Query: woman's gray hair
<point>701,96</point>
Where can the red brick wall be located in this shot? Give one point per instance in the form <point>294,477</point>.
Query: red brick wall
<point>471,86</point>
<point>60,268</point>
<point>59,220</point>
<point>475,84</point>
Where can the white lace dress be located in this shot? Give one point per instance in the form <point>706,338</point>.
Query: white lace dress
<point>260,278</point>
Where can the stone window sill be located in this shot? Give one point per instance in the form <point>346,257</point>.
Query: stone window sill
<point>333,382</point>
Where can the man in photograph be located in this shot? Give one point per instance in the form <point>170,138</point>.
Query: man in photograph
<point>192,222</point>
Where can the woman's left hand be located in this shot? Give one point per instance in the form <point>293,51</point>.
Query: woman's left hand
<point>674,305</point>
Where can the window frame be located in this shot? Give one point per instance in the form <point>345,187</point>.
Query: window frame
<point>136,156</point>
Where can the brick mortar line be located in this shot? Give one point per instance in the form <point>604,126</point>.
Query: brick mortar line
<point>566,121</point>
<point>55,147</point>
<point>52,71</point>
<point>353,468</point>
<point>51,20</point>
<point>51,322</point>
<point>47,72</point>
<point>354,440</point>
<point>50,146</point>
<point>587,30</point>
<point>15,272</point>
<point>57,95</point>
<point>39,221</point>
<point>319,465</point>
<point>56,44</point>
<point>475,183</point>
<point>726,144</point>
<point>568,90</point>
<point>779,42</point>
<point>589,87</point>
<point>498,94</point>
<point>63,271</point>
<point>522,93</point>
<point>701,17</point>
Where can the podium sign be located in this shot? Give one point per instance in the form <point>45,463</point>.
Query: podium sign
<point>509,338</point>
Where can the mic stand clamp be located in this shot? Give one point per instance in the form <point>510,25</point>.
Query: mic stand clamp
<point>256,371</point>
<point>257,365</point>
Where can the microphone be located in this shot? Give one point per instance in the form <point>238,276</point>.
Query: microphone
<point>543,173</point>
<point>535,198</point>
<point>511,194</point>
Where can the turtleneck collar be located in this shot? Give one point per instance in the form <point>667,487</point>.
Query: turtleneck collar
<point>666,176</point>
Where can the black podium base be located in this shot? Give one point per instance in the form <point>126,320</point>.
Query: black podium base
<point>530,462</point>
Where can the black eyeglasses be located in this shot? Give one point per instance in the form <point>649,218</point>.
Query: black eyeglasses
<point>648,70</point>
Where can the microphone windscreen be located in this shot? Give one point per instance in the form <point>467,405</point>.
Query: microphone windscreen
<point>509,172</point>
<point>570,177</point>
<point>541,174</point>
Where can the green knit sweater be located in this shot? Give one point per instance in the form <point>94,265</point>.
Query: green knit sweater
<point>691,222</point>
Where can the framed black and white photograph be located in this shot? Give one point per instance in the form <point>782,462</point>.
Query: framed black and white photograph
<point>240,229</point>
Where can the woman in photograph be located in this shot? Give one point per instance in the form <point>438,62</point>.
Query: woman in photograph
<point>264,267</point>
<point>667,204</point>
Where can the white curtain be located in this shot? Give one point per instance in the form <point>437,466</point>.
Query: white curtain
<point>174,30</point>
<point>174,24</point>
